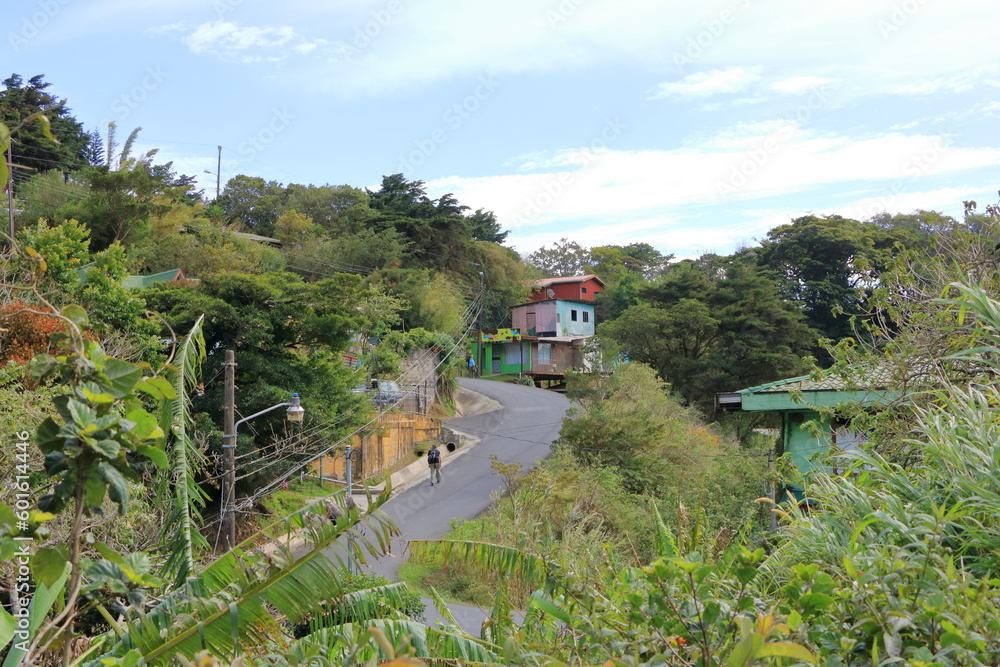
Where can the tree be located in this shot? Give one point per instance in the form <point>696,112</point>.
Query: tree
<point>624,422</point>
<point>288,336</point>
<point>564,258</point>
<point>713,325</point>
<point>339,209</point>
<point>253,203</point>
<point>436,232</point>
<point>830,265</point>
<point>41,196</point>
<point>32,148</point>
<point>505,283</point>
<point>125,201</point>
<point>293,229</point>
<point>485,227</point>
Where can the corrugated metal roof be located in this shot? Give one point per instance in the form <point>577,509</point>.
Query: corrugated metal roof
<point>872,379</point>
<point>545,282</point>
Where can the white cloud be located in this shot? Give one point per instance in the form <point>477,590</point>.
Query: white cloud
<point>232,41</point>
<point>706,84</point>
<point>637,193</point>
<point>800,85</point>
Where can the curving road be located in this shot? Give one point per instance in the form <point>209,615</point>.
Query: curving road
<point>520,431</point>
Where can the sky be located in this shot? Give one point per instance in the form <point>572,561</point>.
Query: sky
<point>693,126</point>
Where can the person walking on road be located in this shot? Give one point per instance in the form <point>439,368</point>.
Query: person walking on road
<point>434,461</point>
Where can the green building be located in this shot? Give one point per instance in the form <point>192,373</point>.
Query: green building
<point>797,402</point>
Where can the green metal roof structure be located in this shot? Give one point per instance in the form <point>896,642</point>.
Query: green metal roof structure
<point>137,282</point>
<point>800,392</point>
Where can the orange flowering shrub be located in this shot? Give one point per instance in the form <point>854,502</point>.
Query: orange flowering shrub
<point>24,334</point>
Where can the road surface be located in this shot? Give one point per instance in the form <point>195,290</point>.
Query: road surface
<point>520,431</point>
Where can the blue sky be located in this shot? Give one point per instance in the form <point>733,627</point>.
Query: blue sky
<point>693,126</point>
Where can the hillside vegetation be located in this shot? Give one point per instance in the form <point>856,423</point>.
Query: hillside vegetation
<point>645,539</point>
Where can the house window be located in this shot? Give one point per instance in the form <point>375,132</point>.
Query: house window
<point>572,315</point>
<point>583,290</point>
<point>545,353</point>
<point>586,316</point>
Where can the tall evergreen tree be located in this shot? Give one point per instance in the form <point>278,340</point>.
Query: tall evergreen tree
<point>31,149</point>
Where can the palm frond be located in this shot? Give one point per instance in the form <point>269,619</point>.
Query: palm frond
<point>508,561</point>
<point>186,460</point>
<point>240,597</point>
<point>354,640</point>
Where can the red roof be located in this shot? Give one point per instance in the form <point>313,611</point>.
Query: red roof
<point>545,282</point>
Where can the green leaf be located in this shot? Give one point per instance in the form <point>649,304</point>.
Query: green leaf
<point>117,486</point>
<point>154,454</point>
<point>144,426</point>
<point>112,575</point>
<point>108,553</point>
<point>164,387</point>
<point>108,448</point>
<point>893,643</point>
<point>8,624</point>
<point>94,489</point>
<point>41,603</point>
<point>80,413</point>
<point>48,437</point>
<point>102,398</point>
<point>46,127</point>
<point>48,563</point>
<point>121,376</point>
<point>76,315</point>
<point>743,652</point>
<point>786,650</point>
<point>539,600</point>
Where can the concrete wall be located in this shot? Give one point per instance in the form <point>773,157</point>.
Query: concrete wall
<point>374,454</point>
<point>419,381</point>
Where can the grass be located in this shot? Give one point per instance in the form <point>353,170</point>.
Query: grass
<point>455,582</point>
<point>298,494</point>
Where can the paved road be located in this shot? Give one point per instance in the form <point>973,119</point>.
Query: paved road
<point>518,432</point>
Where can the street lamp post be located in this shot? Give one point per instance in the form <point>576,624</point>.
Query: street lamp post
<point>294,413</point>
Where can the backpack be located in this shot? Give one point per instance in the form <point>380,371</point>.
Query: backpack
<point>433,456</point>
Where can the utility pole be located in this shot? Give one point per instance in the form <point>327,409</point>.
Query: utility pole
<point>10,187</point>
<point>347,504</point>
<point>228,508</point>
<point>774,489</point>
<point>218,175</point>
<point>481,352</point>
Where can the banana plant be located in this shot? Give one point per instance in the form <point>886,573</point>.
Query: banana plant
<point>243,598</point>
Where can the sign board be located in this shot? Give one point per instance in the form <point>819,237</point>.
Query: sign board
<point>500,335</point>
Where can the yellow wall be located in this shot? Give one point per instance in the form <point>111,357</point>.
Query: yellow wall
<point>394,441</point>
